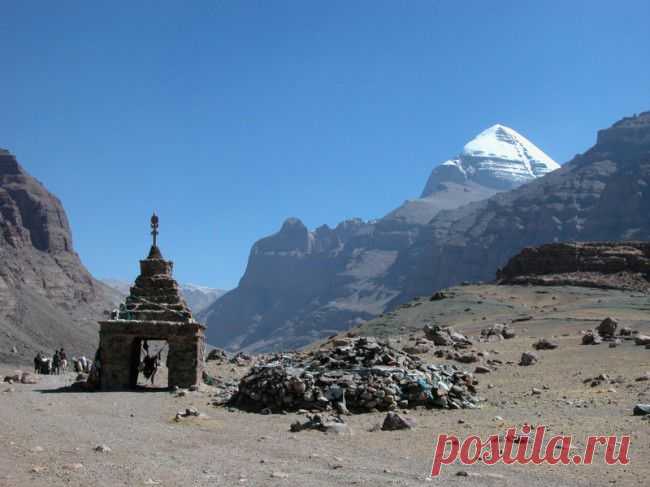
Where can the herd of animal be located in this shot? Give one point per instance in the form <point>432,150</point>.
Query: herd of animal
<point>58,363</point>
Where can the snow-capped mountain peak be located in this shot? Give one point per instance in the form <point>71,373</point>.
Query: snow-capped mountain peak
<point>499,158</point>
<point>501,142</point>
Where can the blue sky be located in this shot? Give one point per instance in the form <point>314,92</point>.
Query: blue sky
<point>229,116</point>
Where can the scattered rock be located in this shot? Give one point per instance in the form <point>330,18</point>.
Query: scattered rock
<point>217,355</point>
<point>625,331</point>
<point>544,344</point>
<point>326,424</point>
<point>417,349</point>
<point>596,381</point>
<point>497,331</point>
<point>528,358</point>
<point>524,318</point>
<point>508,333</point>
<point>102,449</point>
<point>224,392</point>
<point>467,358</point>
<point>642,340</point>
<point>590,338</point>
<point>394,421</point>
<point>445,336</point>
<point>438,296</point>
<point>241,359</point>
<point>482,369</point>
<point>28,378</point>
<point>189,412</point>
<point>607,328</point>
<point>15,377</point>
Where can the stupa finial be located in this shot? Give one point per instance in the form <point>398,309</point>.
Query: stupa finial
<point>154,228</point>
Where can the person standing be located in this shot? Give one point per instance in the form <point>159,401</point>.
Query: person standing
<point>63,361</point>
<point>37,362</point>
<point>56,362</point>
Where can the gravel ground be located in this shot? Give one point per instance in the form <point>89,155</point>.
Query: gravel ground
<point>48,438</point>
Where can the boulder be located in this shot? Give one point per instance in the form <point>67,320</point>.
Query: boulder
<point>642,340</point>
<point>417,349</point>
<point>607,328</point>
<point>15,376</point>
<point>467,358</point>
<point>508,333</point>
<point>326,424</point>
<point>590,338</point>
<point>528,358</point>
<point>218,355</point>
<point>394,421</point>
<point>641,409</point>
<point>28,378</point>
<point>438,336</point>
<point>544,344</point>
<point>625,331</point>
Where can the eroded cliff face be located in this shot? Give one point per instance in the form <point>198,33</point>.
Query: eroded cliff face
<point>618,265</point>
<point>301,285</point>
<point>47,297</point>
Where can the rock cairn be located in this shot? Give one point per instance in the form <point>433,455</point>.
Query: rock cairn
<point>354,375</point>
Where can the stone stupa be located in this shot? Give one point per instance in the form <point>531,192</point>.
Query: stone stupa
<point>154,310</point>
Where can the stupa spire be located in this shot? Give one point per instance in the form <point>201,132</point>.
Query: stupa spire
<point>154,253</point>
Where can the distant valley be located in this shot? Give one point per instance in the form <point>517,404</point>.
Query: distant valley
<point>198,298</point>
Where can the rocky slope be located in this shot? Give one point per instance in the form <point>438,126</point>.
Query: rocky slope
<point>600,195</point>
<point>47,298</point>
<point>300,285</point>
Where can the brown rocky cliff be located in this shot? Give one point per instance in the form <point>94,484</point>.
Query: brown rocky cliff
<point>574,257</point>
<point>47,297</point>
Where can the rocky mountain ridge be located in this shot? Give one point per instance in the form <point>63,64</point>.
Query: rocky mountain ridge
<point>300,285</point>
<point>601,195</point>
